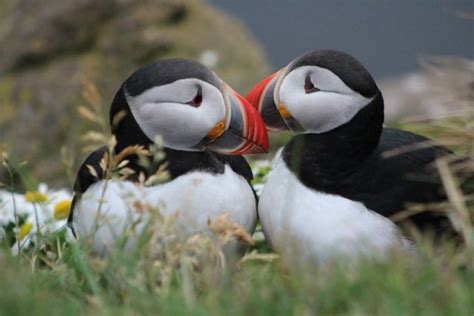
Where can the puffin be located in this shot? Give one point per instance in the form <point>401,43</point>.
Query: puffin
<point>204,127</point>
<point>340,179</point>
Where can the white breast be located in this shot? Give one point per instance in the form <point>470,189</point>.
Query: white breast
<point>302,223</point>
<point>193,198</point>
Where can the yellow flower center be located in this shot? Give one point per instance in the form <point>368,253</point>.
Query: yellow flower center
<point>36,197</point>
<point>25,229</point>
<point>62,209</point>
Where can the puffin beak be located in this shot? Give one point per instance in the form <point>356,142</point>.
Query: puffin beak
<point>245,132</point>
<point>263,97</point>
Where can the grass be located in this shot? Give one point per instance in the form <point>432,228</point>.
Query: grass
<point>79,284</point>
<point>189,277</point>
<point>57,277</point>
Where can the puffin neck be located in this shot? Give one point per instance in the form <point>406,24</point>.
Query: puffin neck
<point>328,156</point>
<point>127,131</point>
<point>181,162</point>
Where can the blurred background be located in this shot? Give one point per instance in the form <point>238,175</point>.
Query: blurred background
<point>386,35</point>
<point>420,53</point>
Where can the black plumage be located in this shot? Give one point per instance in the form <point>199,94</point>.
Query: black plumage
<point>359,161</point>
<point>178,163</point>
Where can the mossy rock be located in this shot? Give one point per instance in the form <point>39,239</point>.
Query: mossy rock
<point>48,50</point>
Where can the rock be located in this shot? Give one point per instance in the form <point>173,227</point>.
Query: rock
<point>48,49</point>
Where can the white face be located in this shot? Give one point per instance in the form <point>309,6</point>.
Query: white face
<point>319,110</point>
<point>182,112</point>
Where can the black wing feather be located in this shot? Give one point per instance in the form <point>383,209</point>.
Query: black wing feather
<point>85,179</point>
<point>239,165</point>
<point>388,183</point>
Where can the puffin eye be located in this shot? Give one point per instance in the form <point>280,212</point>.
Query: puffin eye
<point>309,86</point>
<point>197,100</point>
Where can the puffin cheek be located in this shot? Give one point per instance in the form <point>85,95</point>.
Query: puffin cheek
<point>208,116</point>
<point>178,124</point>
<point>323,111</point>
<point>216,113</point>
<point>314,111</point>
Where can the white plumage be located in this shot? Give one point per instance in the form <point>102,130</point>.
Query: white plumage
<point>302,223</point>
<point>334,105</point>
<point>194,198</point>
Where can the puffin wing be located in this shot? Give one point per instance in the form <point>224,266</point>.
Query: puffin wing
<point>239,165</point>
<point>402,171</point>
<point>85,178</point>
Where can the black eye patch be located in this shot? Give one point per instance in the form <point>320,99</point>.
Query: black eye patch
<point>309,86</point>
<point>197,100</point>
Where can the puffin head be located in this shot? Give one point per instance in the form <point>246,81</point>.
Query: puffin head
<point>316,93</point>
<point>189,106</point>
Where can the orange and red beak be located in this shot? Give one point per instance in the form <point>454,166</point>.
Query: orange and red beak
<point>245,132</point>
<point>262,98</point>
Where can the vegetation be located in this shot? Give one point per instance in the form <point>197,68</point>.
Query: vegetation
<point>53,274</point>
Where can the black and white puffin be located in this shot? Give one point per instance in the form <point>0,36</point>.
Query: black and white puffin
<point>205,126</point>
<point>333,187</point>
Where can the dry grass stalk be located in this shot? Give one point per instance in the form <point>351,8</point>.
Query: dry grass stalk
<point>87,114</point>
<point>3,153</point>
<point>118,118</point>
<point>408,148</point>
<point>90,93</point>
<point>161,175</point>
<point>92,171</point>
<point>104,162</point>
<point>459,215</point>
<point>256,256</point>
<point>138,150</point>
<point>417,208</point>
<point>95,137</point>
<point>93,113</point>
<point>227,230</point>
<point>166,253</point>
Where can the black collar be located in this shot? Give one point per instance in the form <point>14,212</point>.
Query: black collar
<point>321,161</point>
